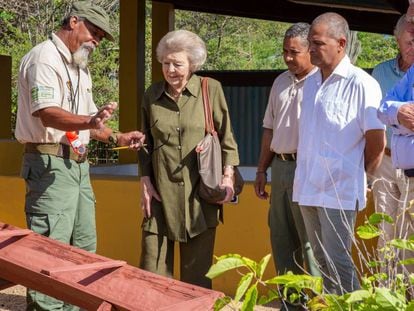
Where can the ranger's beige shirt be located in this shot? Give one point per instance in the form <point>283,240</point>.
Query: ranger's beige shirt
<point>44,82</point>
<point>283,110</point>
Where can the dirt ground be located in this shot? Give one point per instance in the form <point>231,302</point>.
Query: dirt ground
<point>14,299</point>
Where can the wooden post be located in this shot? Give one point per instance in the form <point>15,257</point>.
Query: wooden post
<point>131,69</point>
<point>5,97</point>
<point>162,22</point>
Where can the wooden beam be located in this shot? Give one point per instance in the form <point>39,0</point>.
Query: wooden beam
<point>12,233</point>
<point>76,277</point>
<point>5,96</point>
<point>105,306</point>
<point>85,267</point>
<point>131,69</point>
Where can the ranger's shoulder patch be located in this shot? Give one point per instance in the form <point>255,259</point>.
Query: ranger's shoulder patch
<point>42,92</point>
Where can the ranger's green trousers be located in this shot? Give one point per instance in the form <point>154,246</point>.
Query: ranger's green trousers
<point>60,204</point>
<point>290,244</point>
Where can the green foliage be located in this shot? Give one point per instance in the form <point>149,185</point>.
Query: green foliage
<point>236,43</point>
<point>294,287</point>
<point>382,291</point>
<point>375,49</point>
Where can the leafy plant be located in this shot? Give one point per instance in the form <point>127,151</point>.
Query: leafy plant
<point>387,286</point>
<point>292,288</point>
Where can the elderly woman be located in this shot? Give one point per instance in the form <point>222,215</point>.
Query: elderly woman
<point>173,118</point>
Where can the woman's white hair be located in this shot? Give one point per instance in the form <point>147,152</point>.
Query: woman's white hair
<point>183,41</point>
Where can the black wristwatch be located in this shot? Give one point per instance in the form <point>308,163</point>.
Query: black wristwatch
<point>113,139</point>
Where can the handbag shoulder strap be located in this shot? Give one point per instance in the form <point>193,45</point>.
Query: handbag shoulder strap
<point>208,115</point>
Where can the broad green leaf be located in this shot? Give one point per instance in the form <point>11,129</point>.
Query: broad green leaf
<point>388,300</point>
<point>243,286</point>
<point>250,298</point>
<point>376,218</point>
<point>221,303</point>
<point>403,244</point>
<point>271,295</point>
<point>358,295</point>
<point>368,232</point>
<point>262,266</point>
<point>287,278</point>
<point>224,265</point>
<point>251,264</point>
<point>298,282</point>
<point>411,278</point>
<point>408,261</point>
<point>317,303</point>
<point>292,278</point>
<point>328,303</point>
<point>237,256</point>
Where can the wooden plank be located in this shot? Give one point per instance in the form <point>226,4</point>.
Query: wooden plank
<point>13,233</point>
<point>105,306</point>
<point>124,288</point>
<point>96,265</point>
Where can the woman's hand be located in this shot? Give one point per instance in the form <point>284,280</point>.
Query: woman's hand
<point>227,183</point>
<point>147,193</point>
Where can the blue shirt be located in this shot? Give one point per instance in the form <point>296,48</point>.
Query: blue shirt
<point>387,74</point>
<point>402,144</point>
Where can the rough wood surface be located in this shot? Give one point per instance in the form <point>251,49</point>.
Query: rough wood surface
<point>22,258</point>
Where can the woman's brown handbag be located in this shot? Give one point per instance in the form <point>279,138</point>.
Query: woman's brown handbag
<point>210,164</point>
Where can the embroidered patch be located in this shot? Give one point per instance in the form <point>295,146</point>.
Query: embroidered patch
<point>42,92</point>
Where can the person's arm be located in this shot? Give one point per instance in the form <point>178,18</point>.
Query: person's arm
<point>222,124</point>
<point>266,157</point>
<point>374,149</point>
<point>396,108</point>
<point>133,139</point>
<point>147,193</point>
<point>58,118</point>
<point>147,188</point>
<point>63,120</point>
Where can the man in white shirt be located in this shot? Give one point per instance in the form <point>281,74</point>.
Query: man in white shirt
<point>340,137</point>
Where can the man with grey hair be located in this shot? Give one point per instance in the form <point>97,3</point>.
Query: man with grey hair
<point>288,237</point>
<point>388,184</point>
<point>340,137</point>
<point>56,117</point>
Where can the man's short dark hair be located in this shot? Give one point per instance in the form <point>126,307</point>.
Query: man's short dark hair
<point>298,30</point>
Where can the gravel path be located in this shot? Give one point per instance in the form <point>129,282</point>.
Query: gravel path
<point>13,299</point>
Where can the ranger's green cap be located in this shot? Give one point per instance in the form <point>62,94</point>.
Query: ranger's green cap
<point>94,14</point>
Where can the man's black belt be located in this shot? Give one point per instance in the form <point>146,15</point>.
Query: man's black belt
<point>58,149</point>
<point>409,173</point>
<point>286,156</point>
